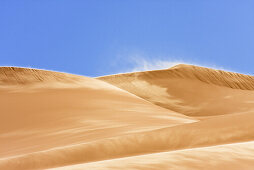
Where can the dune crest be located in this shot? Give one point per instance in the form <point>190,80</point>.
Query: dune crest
<point>36,78</point>
<point>25,76</point>
<point>207,75</point>
<point>191,90</point>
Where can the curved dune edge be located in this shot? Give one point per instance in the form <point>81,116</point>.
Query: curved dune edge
<point>210,132</point>
<point>207,75</point>
<point>229,157</point>
<point>26,76</point>
<point>190,90</point>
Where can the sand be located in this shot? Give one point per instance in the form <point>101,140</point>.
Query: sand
<point>184,117</point>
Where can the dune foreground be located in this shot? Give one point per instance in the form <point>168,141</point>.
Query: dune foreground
<point>184,117</point>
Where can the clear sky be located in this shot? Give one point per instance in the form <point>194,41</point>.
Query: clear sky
<point>99,37</point>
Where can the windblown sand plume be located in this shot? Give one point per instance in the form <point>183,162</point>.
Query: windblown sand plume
<point>184,117</point>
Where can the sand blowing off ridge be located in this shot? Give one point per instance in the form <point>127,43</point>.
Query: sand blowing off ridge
<point>176,118</point>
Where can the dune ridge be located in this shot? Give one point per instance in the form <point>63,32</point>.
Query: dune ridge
<point>25,76</point>
<point>207,75</point>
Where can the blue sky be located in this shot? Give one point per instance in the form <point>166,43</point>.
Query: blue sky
<point>99,37</point>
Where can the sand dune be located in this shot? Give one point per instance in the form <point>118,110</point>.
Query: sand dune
<point>191,90</point>
<point>176,118</point>
<point>41,110</point>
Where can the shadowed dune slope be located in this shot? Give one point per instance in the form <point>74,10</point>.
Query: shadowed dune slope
<point>191,90</point>
<point>41,110</point>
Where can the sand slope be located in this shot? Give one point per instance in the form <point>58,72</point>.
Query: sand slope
<point>210,132</point>
<point>126,121</point>
<point>229,157</point>
<point>191,90</point>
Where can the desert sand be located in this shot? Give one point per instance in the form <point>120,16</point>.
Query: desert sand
<point>184,117</point>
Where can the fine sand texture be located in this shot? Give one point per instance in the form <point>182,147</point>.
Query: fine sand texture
<point>184,117</point>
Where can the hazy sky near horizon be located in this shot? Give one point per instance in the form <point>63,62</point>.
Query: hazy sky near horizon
<point>99,37</point>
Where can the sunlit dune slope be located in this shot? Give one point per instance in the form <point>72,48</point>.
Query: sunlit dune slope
<point>231,128</point>
<point>227,157</point>
<point>191,90</point>
<point>41,110</point>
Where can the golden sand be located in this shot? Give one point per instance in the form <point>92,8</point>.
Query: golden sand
<point>184,117</point>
